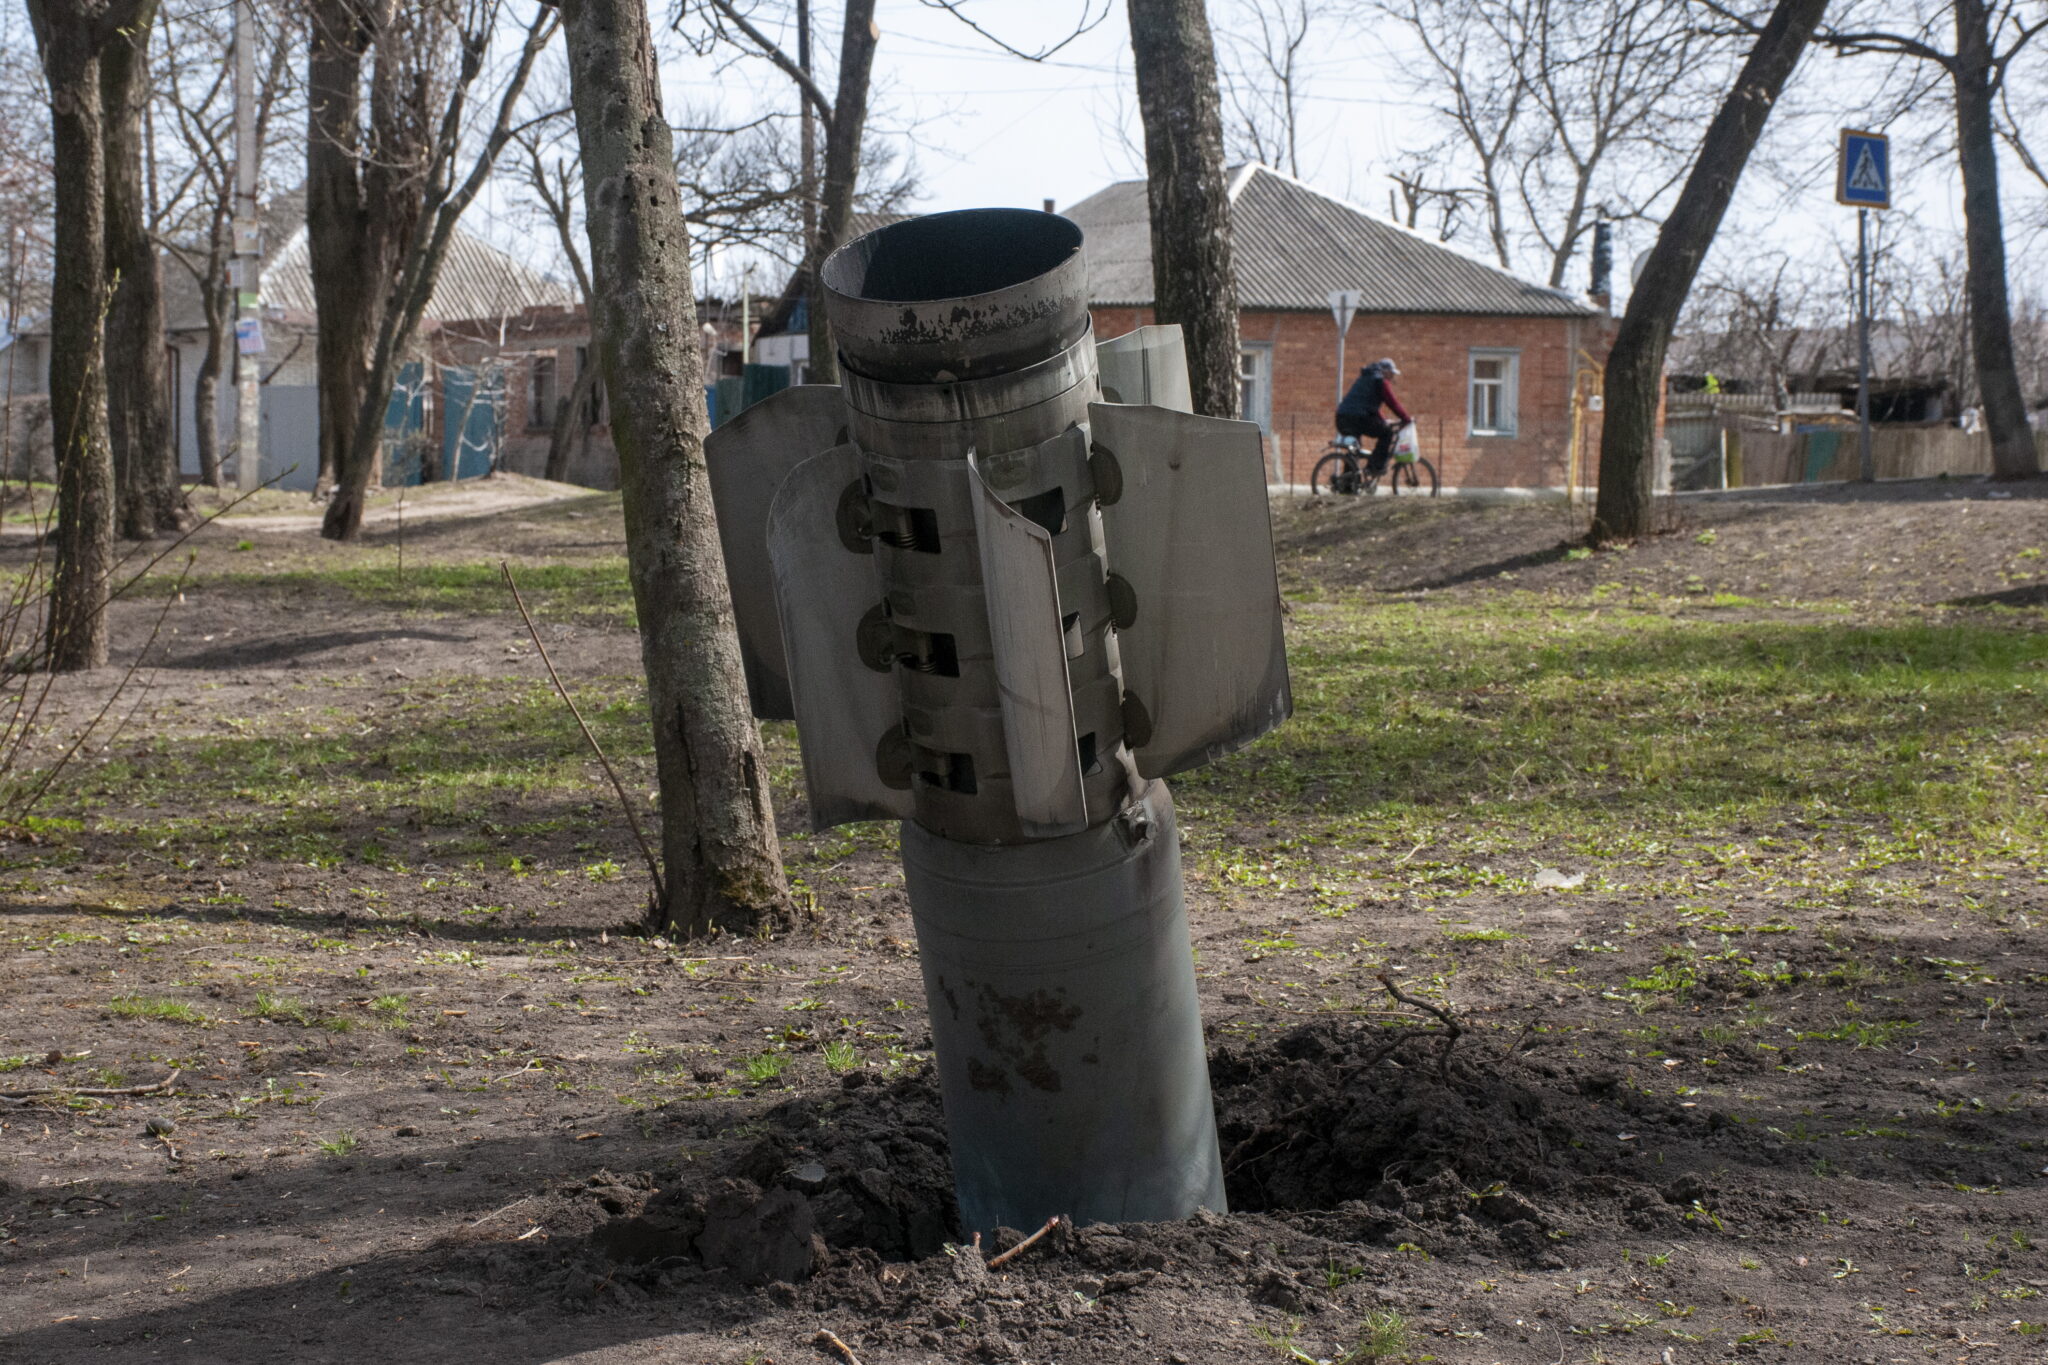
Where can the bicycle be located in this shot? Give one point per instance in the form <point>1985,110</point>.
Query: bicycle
<point>1341,471</point>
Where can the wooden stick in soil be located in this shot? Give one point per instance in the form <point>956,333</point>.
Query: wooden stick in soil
<point>633,819</point>
<point>21,810</point>
<point>826,1341</point>
<point>19,1095</point>
<point>1022,1246</point>
<point>1443,1016</point>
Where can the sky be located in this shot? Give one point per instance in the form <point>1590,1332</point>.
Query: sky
<point>986,128</point>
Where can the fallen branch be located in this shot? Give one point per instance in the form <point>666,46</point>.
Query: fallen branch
<point>495,1212</point>
<point>1020,1248</point>
<point>632,818</point>
<point>1442,1015</point>
<point>826,1341</point>
<point>22,1096</point>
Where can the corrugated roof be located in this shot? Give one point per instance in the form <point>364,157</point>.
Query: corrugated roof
<point>476,281</point>
<point>1292,245</point>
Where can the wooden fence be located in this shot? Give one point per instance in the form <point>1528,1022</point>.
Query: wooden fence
<point>1757,459</point>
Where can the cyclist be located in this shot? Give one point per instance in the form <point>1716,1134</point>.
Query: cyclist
<point>1358,413</point>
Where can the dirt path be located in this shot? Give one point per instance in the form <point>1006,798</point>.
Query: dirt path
<point>473,498</point>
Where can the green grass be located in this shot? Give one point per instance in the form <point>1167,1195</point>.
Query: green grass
<point>1512,724</point>
<point>765,1067</point>
<point>155,1007</point>
<point>591,589</point>
<point>341,1144</point>
<point>284,1009</point>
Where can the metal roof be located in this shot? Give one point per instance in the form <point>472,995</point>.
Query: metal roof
<point>476,281</point>
<point>1292,245</point>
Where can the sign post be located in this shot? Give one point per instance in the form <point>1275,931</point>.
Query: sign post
<point>1863,178</point>
<point>1343,304</point>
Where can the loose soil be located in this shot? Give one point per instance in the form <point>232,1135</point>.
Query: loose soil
<point>345,870</point>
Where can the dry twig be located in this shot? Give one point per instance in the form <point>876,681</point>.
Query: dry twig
<point>1019,1249</point>
<point>632,817</point>
<point>23,1095</point>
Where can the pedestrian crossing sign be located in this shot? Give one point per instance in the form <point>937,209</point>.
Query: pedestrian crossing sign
<point>1864,175</point>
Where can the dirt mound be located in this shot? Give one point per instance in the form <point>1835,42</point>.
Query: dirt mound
<point>1307,1123</point>
<point>866,1172</point>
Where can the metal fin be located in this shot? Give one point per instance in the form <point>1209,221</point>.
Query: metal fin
<point>1149,365</point>
<point>1192,536</point>
<point>822,592</point>
<point>748,458</point>
<point>1031,665</point>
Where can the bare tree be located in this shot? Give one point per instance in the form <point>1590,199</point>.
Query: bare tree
<point>27,180</point>
<point>145,448</point>
<point>1986,37</point>
<point>1565,111</point>
<point>71,39</point>
<point>1262,59</point>
<point>552,176</point>
<point>1193,281</point>
<point>1772,318</point>
<point>722,866</point>
<point>1424,198</point>
<point>416,266</point>
<point>366,156</point>
<point>842,116</point>
<point>195,224</point>
<point>1635,365</point>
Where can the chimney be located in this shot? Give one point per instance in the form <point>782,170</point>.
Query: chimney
<point>1602,288</point>
<point>1048,206</point>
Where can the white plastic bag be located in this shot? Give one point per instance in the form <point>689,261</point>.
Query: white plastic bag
<point>1405,448</point>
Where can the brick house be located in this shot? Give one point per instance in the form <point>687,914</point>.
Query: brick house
<point>1492,366</point>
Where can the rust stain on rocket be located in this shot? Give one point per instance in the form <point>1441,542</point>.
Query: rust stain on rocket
<point>1015,1029</point>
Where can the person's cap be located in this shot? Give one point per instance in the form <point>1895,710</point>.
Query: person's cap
<point>1386,362</point>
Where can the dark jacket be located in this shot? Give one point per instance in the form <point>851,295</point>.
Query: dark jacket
<point>1372,388</point>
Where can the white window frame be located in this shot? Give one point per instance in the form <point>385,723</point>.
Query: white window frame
<point>1261,409</point>
<point>1510,384</point>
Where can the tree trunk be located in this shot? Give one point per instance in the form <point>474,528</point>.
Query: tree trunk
<point>1635,367</point>
<point>206,384</point>
<point>572,422</point>
<point>360,212</point>
<point>722,864</point>
<point>842,173</point>
<point>1998,376</point>
<point>1193,282</point>
<point>77,623</point>
<point>138,399</point>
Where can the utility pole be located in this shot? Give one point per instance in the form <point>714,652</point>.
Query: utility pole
<point>1863,181</point>
<point>1868,470</point>
<point>248,260</point>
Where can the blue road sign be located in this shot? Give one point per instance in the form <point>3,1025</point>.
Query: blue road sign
<point>1863,177</point>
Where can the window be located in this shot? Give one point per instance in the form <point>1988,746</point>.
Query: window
<point>1255,385</point>
<point>1493,392</point>
<point>540,393</point>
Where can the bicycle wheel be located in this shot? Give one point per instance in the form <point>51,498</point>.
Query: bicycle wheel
<point>1418,476</point>
<point>1331,476</point>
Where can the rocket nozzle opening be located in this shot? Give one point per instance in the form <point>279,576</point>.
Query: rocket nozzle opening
<point>954,296</point>
<point>952,255</point>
